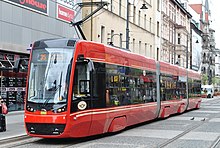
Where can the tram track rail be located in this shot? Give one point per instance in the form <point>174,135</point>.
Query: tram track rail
<point>27,141</point>
<point>180,135</point>
<point>16,141</point>
<point>12,139</point>
<point>214,145</point>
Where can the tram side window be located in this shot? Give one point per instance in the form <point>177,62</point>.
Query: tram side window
<point>148,86</point>
<point>190,87</point>
<point>198,88</point>
<point>169,90</point>
<point>194,88</point>
<point>181,86</point>
<point>126,86</point>
<point>112,87</point>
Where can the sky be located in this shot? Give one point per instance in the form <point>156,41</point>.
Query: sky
<point>215,18</point>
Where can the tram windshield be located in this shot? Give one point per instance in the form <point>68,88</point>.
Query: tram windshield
<point>49,76</point>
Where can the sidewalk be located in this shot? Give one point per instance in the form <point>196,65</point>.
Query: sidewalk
<point>14,125</point>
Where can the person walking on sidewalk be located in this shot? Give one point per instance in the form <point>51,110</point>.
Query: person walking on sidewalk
<point>3,112</point>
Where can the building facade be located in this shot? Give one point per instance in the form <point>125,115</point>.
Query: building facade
<point>212,52</point>
<point>208,39</point>
<point>109,25</point>
<point>21,23</point>
<point>175,33</point>
<point>217,63</point>
<point>196,41</point>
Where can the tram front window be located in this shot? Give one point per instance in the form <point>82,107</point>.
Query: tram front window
<point>49,79</point>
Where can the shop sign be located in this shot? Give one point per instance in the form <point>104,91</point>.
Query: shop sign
<point>66,3</point>
<point>40,6</point>
<point>64,13</point>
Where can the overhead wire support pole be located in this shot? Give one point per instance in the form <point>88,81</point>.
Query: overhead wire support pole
<point>187,71</point>
<point>88,4</point>
<point>187,51</point>
<point>127,26</point>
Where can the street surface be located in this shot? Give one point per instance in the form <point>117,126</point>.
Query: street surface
<point>194,129</point>
<point>14,125</point>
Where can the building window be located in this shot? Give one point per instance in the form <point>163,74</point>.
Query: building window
<point>112,33</point>
<point>178,41</point>
<point>204,57</point>
<point>139,18</point>
<point>145,49</point>
<point>204,70</point>
<point>150,24</point>
<point>139,47</point>
<point>158,28</point>
<point>121,39</point>
<point>111,5</point>
<point>102,34</point>
<point>157,54</point>
<point>169,10</point>
<point>151,52</point>
<point>119,7</point>
<point>134,15</point>
<point>133,45</point>
<point>145,21</point>
<point>178,60</point>
<point>173,13</point>
<point>158,5</point>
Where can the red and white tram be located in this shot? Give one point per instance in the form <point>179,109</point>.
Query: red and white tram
<point>79,88</point>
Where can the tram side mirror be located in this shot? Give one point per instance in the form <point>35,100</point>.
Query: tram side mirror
<point>91,65</point>
<point>81,58</point>
<point>84,86</point>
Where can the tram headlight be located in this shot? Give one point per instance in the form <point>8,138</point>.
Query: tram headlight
<point>30,109</point>
<point>59,110</point>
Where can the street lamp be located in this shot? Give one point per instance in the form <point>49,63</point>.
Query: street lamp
<point>144,7</point>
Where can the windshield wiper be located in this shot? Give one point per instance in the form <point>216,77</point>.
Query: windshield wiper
<point>55,90</point>
<point>59,86</point>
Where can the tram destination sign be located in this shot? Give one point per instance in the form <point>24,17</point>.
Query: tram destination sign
<point>40,6</point>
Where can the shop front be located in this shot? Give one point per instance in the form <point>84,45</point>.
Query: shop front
<point>12,85</point>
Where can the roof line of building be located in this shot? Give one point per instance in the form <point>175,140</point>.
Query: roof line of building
<point>182,8</point>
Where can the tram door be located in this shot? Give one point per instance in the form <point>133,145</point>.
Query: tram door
<point>82,94</point>
<point>98,98</point>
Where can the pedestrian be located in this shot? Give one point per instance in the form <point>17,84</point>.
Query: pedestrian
<point>3,112</point>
